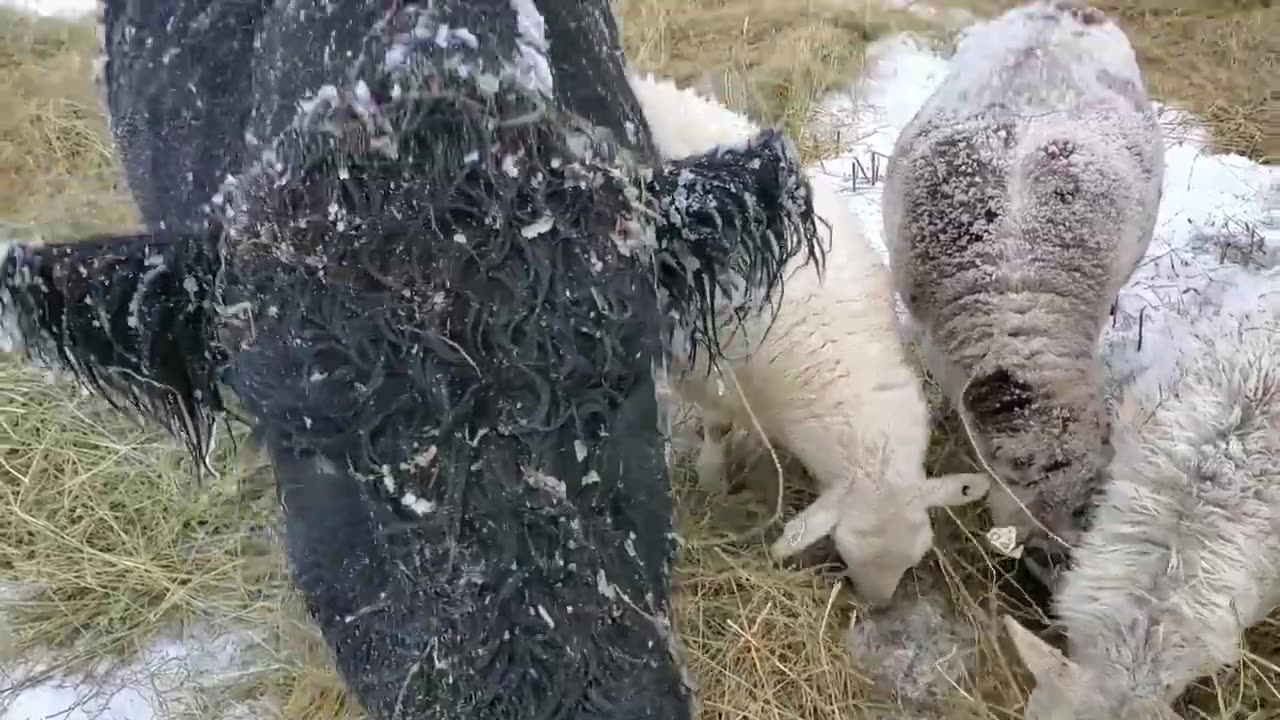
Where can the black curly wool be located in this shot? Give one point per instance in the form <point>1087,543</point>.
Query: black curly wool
<point>128,316</point>
<point>450,355</point>
<point>441,289</point>
<point>728,222</point>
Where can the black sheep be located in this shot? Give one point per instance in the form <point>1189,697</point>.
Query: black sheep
<point>430,250</point>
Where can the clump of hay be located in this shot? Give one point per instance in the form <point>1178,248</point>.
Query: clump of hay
<point>105,530</point>
<point>1216,58</point>
<point>57,169</point>
<point>104,526</point>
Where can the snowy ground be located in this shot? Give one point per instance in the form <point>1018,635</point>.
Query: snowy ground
<point>1192,276</point>
<point>53,8</point>
<point>150,687</point>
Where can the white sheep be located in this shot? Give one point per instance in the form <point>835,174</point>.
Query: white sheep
<point>830,382</point>
<point>1017,202</point>
<point>1185,549</point>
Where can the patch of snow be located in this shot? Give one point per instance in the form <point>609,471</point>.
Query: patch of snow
<point>1212,259</point>
<point>901,74</point>
<point>533,65</point>
<point>949,17</point>
<point>1216,250</point>
<point>154,685</point>
<point>53,8</point>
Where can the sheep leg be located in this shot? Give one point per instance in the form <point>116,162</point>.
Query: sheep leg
<point>128,316</point>
<point>713,455</point>
<point>171,75</point>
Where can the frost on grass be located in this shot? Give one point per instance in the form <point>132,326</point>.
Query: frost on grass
<point>1212,259</point>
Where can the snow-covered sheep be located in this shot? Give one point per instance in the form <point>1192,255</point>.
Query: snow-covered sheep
<point>829,380</point>
<point>1184,553</point>
<point>439,278</point>
<point>1017,202</point>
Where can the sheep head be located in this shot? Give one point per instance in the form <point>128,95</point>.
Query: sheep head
<point>878,541</point>
<point>1067,691</point>
<point>1047,446</point>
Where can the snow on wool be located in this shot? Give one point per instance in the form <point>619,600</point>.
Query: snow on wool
<point>1214,256</point>
<point>1184,554</point>
<point>1204,197</point>
<point>465,435</point>
<point>1018,201</point>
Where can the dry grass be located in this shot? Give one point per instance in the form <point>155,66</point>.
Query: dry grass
<point>771,59</point>
<point>57,169</point>
<point>103,526</point>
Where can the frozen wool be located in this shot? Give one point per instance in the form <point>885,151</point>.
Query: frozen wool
<point>10,336</point>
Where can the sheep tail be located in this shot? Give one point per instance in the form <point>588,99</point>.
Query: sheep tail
<point>730,221</point>
<point>129,317</point>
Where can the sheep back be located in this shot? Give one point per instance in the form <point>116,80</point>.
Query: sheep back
<point>1018,201</point>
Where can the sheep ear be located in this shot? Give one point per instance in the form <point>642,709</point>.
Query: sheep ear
<point>956,489</point>
<point>808,527</point>
<point>1046,662</point>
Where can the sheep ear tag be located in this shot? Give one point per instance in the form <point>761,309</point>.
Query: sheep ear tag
<point>1046,662</point>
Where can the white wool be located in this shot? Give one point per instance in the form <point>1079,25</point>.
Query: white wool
<point>696,125</point>
<point>830,382</point>
<point>1184,554</point>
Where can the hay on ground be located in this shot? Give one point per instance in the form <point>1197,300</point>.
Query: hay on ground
<point>769,59</point>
